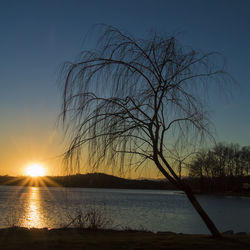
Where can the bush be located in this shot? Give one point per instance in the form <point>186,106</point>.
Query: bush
<point>90,218</point>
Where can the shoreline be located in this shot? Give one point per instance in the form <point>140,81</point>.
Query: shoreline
<point>75,238</point>
<point>233,194</point>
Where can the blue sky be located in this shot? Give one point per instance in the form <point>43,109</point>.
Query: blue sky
<point>36,37</point>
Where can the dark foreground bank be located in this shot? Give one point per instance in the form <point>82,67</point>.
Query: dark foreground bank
<point>20,238</point>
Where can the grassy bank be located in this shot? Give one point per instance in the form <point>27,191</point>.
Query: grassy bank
<point>18,238</point>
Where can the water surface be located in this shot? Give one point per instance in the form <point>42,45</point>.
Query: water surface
<point>154,210</point>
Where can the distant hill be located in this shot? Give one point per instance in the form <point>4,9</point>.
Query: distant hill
<point>91,180</point>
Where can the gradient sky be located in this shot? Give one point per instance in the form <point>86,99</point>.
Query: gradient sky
<point>36,37</point>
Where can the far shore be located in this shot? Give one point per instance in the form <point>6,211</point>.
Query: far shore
<point>238,194</point>
<point>100,180</point>
<point>23,238</point>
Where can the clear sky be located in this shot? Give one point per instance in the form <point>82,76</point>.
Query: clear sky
<point>36,37</point>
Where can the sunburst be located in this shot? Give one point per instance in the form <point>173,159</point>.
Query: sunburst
<point>35,170</point>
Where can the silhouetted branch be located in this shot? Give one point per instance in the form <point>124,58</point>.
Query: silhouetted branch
<point>131,99</point>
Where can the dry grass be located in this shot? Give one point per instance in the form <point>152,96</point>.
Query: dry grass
<point>20,238</point>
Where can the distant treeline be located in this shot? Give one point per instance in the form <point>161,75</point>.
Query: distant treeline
<point>92,180</point>
<point>223,168</point>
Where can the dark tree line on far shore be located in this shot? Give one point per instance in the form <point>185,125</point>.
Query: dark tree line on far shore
<point>225,167</point>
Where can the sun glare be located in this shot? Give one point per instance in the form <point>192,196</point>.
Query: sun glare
<point>35,170</point>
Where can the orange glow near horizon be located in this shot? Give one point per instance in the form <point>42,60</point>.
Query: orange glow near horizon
<point>35,170</point>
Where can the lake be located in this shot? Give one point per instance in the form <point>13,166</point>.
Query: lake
<point>154,210</point>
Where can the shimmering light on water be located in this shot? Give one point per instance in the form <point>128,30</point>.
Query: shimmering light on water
<point>32,216</point>
<point>137,209</point>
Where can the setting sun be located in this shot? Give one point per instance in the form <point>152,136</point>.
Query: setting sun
<point>34,170</point>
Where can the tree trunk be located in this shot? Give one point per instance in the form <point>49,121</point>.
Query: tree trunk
<point>209,223</point>
<point>180,184</point>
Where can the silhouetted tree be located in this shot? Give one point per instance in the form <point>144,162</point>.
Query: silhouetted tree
<point>129,100</point>
<point>180,155</point>
<point>245,157</point>
<point>221,161</point>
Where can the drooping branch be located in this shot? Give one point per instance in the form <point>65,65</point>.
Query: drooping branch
<point>131,99</point>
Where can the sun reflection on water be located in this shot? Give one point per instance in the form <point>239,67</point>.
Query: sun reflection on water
<point>33,213</point>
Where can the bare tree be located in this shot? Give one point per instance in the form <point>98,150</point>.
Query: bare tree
<point>130,100</point>
<point>180,156</point>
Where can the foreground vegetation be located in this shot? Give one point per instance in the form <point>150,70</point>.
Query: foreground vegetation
<point>22,238</point>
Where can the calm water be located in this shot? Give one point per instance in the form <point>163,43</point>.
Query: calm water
<point>136,209</point>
